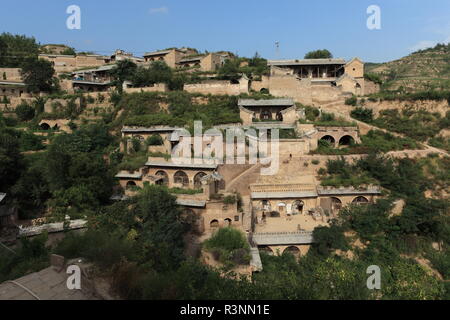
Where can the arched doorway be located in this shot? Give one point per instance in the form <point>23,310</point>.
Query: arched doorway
<point>214,224</point>
<point>274,214</point>
<point>165,178</point>
<point>198,180</point>
<point>182,178</point>
<point>131,184</point>
<point>292,250</point>
<point>360,200</point>
<point>45,126</point>
<point>328,139</point>
<point>228,222</point>
<point>266,250</point>
<point>336,204</point>
<point>297,207</point>
<point>264,91</point>
<point>281,207</point>
<point>279,116</point>
<point>346,141</point>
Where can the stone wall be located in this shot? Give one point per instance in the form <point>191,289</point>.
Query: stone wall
<point>158,87</point>
<point>10,74</point>
<point>220,87</point>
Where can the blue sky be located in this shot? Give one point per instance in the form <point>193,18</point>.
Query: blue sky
<point>240,26</point>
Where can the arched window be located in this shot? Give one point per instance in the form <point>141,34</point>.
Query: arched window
<point>360,200</point>
<point>165,178</point>
<point>346,141</point>
<point>228,222</point>
<point>198,180</point>
<point>214,224</point>
<point>182,178</point>
<point>264,91</point>
<point>297,207</point>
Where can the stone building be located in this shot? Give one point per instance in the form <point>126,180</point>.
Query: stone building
<point>273,110</point>
<point>70,63</point>
<point>93,80</point>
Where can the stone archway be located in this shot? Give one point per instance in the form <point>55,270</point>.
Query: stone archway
<point>198,180</point>
<point>182,178</point>
<point>266,249</point>
<point>297,207</point>
<point>227,222</point>
<point>45,126</point>
<point>214,224</point>
<point>279,116</point>
<point>295,251</point>
<point>346,140</point>
<point>274,214</point>
<point>165,178</point>
<point>360,200</point>
<point>131,184</point>
<point>336,204</point>
<point>329,139</point>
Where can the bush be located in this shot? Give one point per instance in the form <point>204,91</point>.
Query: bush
<point>351,101</point>
<point>24,112</point>
<point>362,114</point>
<point>155,140</point>
<point>229,246</point>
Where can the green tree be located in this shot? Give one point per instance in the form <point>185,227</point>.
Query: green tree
<point>24,112</point>
<point>38,74</point>
<point>319,54</point>
<point>124,70</point>
<point>15,49</point>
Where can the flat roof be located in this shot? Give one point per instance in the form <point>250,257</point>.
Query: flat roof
<point>283,194</point>
<point>170,164</point>
<point>191,203</point>
<point>300,62</point>
<point>282,238</point>
<point>148,129</point>
<point>20,84</point>
<point>156,53</point>
<point>92,82</point>
<point>129,175</point>
<point>101,68</point>
<point>347,191</point>
<point>269,102</point>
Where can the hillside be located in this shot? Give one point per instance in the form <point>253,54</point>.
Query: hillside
<point>421,70</point>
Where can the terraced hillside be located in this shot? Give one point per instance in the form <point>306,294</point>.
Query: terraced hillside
<point>421,70</point>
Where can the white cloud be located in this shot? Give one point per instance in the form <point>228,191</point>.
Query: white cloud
<point>424,44</point>
<point>159,10</point>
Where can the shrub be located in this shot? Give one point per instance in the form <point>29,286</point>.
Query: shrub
<point>362,114</point>
<point>155,140</point>
<point>351,101</point>
<point>24,112</point>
